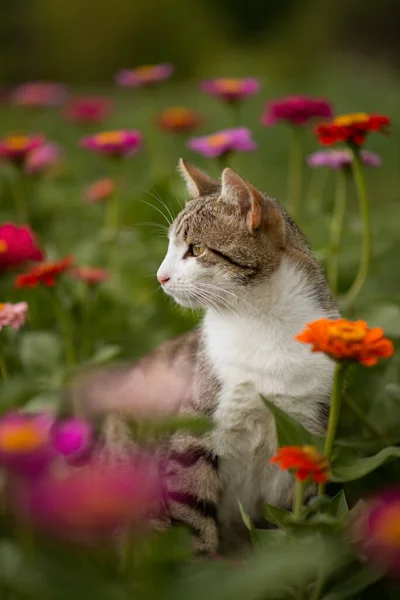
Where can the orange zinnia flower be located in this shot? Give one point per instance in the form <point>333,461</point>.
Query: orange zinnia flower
<point>179,119</point>
<point>352,128</point>
<point>306,461</point>
<point>347,340</point>
<point>46,274</point>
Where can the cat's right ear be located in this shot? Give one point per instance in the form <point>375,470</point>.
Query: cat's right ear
<point>197,182</point>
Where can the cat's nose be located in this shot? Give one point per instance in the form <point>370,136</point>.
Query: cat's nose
<point>162,278</point>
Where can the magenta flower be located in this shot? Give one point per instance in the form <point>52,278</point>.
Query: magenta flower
<point>88,109</point>
<point>85,504</point>
<point>222,142</point>
<point>118,143</point>
<point>73,438</point>
<point>231,90</point>
<point>37,94</point>
<point>15,148</point>
<point>17,246</point>
<point>13,315</point>
<point>296,110</point>
<point>144,76</point>
<point>341,159</point>
<point>25,443</point>
<point>43,159</point>
<point>376,530</point>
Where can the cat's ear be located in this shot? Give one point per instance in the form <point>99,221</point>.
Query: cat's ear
<point>197,182</point>
<point>252,203</point>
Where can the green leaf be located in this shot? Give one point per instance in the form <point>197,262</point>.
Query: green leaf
<point>289,431</point>
<point>347,466</point>
<point>354,584</point>
<point>338,505</point>
<point>246,518</point>
<point>105,354</point>
<point>41,351</point>
<point>276,516</point>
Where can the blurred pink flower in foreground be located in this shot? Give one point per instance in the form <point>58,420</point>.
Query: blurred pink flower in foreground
<point>296,110</point>
<point>91,275</point>
<point>222,142</point>
<point>231,90</point>
<point>342,159</point>
<point>15,148</point>
<point>85,504</point>
<point>376,530</point>
<point>144,75</point>
<point>88,109</point>
<point>17,246</point>
<point>37,94</point>
<point>43,159</point>
<point>73,438</point>
<point>117,143</point>
<point>99,190</point>
<point>13,315</point>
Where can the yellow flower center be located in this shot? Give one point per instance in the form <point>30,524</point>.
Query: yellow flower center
<point>218,139</point>
<point>2,305</point>
<point>3,246</point>
<point>21,438</point>
<point>145,71</point>
<point>347,333</point>
<point>350,119</point>
<point>388,527</point>
<point>110,137</point>
<point>229,85</point>
<point>17,142</point>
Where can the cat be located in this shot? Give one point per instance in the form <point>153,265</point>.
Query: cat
<point>236,253</point>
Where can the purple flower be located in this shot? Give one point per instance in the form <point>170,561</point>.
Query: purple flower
<point>117,143</point>
<point>229,89</point>
<point>376,530</point>
<point>341,159</point>
<point>143,76</point>
<point>13,315</point>
<point>222,142</point>
<point>296,110</point>
<point>43,158</point>
<point>25,442</point>
<point>73,438</point>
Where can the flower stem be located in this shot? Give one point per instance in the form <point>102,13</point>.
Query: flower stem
<point>295,175</point>
<point>336,229</point>
<point>319,585</point>
<point>3,368</point>
<point>19,196</point>
<point>236,113</point>
<point>366,243</point>
<point>298,498</point>
<point>66,327</point>
<point>333,415</point>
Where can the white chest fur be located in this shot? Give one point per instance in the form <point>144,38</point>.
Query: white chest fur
<point>253,355</point>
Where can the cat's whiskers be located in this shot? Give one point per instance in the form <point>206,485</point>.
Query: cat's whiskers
<point>157,209</point>
<point>239,299</point>
<point>162,202</point>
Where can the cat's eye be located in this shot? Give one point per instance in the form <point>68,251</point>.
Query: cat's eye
<point>196,249</point>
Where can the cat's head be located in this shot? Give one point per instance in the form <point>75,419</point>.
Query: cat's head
<point>228,236</point>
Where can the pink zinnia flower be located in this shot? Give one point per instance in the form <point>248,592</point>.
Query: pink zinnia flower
<point>13,315</point>
<point>37,94</point>
<point>25,442</point>
<point>90,275</point>
<point>73,438</point>
<point>88,503</point>
<point>144,76</point>
<point>88,109</point>
<point>17,246</point>
<point>224,141</point>
<point>15,148</point>
<point>341,159</point>
<point>43,159</point>
<point>296,110</point>
<point>376,530</point>
<point>231,90</point>
<point>113,143</point>
<point>99,190</point>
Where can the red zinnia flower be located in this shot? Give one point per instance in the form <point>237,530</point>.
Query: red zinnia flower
<point>47,274</point>
<point>15,148</point>
<point>88,109</point>
<point>305,461</point>
<point>117,143</point>
<point>17,245</point>
<point>352,128</point>
<point>296,110</point>
<point>91,275</point>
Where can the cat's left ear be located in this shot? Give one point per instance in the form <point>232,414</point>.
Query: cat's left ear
<point>197,182</point>
<point>252,203</point>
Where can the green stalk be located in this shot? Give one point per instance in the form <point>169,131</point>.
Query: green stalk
<point>336,229</point>
<point>235,108</point>
<point>366,243</point>
<point>334,414</point>
<point>66,328</point>
<point>295,175</point>
<point>298,498</point>
<point>3,368</point>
